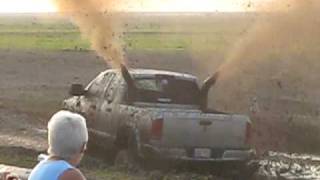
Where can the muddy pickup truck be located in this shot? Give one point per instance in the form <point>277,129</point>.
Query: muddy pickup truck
<point>160,114</point>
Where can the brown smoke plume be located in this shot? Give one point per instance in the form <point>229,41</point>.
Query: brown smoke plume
<point>274,69</point>
<point>281,48</point>
<point>97,22</point>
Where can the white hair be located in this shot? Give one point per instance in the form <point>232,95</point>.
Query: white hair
<point>67,134</point>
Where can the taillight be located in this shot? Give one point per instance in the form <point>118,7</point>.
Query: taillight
<point>248,133</point>
<point>156,129</point>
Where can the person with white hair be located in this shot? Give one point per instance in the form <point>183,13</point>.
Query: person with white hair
<point>67,139</point>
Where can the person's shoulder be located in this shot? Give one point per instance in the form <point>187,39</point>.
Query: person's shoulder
<point>72,174</point>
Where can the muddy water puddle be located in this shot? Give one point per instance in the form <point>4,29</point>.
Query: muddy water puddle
<point>275,165</point>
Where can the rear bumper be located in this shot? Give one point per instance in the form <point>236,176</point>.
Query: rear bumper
<point>228,155</point>
<point>180,154</point>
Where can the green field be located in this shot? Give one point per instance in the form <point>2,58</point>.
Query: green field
<point>142,32</point>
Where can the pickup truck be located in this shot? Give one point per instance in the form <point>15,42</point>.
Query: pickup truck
<point>160,114</point>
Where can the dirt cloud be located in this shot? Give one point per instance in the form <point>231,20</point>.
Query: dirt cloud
<point>273,70</point>
<point>98,22</point>
<point>279,54</point>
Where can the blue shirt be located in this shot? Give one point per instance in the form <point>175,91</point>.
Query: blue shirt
<point>49,170</point>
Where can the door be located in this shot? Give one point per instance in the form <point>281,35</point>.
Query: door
<point>107,106</point>
<point>90,100</point>
<point>95,99</point>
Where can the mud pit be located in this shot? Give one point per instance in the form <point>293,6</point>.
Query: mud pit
<point>289,166</point>
<point>33,84</point>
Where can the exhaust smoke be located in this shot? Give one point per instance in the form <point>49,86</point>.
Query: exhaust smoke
<point>272,74</point>
<point>98,22</point>
<point>279,54</point>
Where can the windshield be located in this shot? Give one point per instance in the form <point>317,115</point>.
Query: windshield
<point>166,89</point>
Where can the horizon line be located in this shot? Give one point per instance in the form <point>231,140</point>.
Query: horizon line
<point>159,12</point>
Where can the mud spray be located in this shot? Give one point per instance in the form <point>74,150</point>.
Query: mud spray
<point>287,31</point>
<point>274,69</point>
<point>98,22</point>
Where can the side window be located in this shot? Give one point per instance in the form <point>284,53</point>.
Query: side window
<point>109,81</point>
<point>111,89</point>
<point>98,85</point>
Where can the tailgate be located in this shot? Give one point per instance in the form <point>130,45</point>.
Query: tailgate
<point>212,131</point>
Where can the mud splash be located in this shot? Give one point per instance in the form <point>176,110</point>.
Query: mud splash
<point>282,46</point>
<point>271,74</point>
<point>99,22</point>
<point>275,165</point>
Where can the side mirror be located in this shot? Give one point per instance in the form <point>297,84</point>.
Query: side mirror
<point>76,90</point>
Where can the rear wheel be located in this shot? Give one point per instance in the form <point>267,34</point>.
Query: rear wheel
<point>241,170</point>
<point>127,156</point>
<point>124,160</point>
<point>248,170</point>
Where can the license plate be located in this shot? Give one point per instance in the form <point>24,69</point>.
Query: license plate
<point>202,153</point>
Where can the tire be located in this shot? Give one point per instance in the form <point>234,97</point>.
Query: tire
<point>127,157</point>
<point>124,160</point>
<point>97,149</point>
<point>250,169</point>
<point>246,171</point>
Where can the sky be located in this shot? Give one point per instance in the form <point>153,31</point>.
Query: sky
<point>27,6</point>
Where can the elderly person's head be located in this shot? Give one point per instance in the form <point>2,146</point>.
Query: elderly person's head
<point>67,136</point>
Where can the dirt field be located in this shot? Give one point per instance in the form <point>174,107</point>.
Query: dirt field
<point>35,78</point>
<point>34,83</point>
